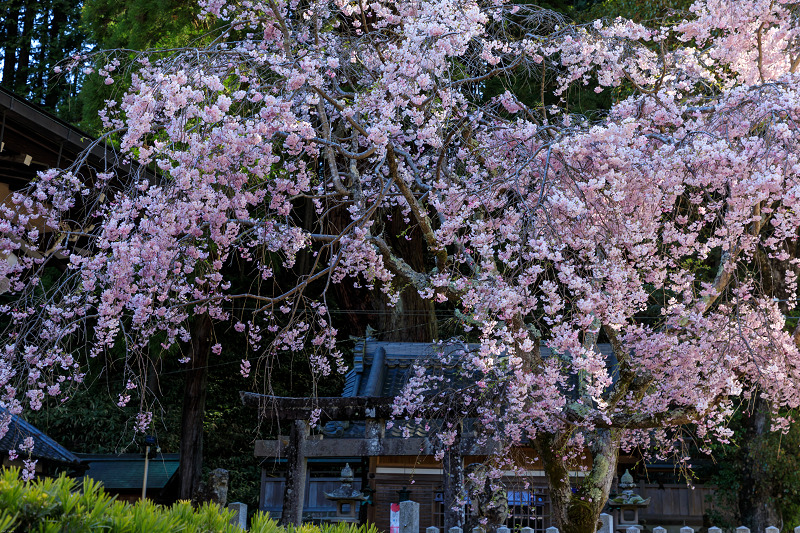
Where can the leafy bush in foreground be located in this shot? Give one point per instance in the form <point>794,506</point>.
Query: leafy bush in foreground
<point>63,505</point>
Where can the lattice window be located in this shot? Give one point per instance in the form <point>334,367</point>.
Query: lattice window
<point>529,508</point>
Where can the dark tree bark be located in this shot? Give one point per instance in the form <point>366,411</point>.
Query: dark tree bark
<point>579,511</point>
<point>58,20</point>
<point>412,318</point>
<point>194,403</point>
<point>24,57</point>
<point>10,36</point>
<point>756,501</point>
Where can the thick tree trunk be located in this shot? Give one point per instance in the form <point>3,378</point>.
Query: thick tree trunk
<point>579,511</point>
<point>50,85</point>
<point>24,57</point>
<point>10,35</point>
<point>412,318</point>
<point>194,403</point>
<point>756,501</point>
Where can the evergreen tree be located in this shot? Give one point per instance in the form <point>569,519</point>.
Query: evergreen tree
<point>34,37</point>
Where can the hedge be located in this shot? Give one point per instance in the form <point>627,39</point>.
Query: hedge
<point>63,505</point>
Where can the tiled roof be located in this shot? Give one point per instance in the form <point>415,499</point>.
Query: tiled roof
<point>43,446</point>
<point>126,471</point>
<point>396,359</point>
<point>394,362</point>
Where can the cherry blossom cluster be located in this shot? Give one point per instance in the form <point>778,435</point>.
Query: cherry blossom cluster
<point>285,145</point>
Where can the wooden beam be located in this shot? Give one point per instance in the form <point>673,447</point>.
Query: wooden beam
<point>374,447</point>
<point>331,408</point>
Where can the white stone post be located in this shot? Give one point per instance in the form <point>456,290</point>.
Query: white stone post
<point>772,529</point>
<point>687,529</point>
<point>239,517</point>
<point>607,523</point>
<point>714,530</point>
<point>409,517</point>
<point>659,529</point>
<point>551,530</point>
<point>432,529</point>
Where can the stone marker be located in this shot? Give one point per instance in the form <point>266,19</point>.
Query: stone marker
<point>659,529</point>
<point>239,517</point>
<point>742,529</point>
<point>714,530</point>
<point>687,529</point>
<point>551,530</point>
<point>503,529</point>
<point>772,529</point>
<point>214,489</point>
<point>457,529</point>
<point>432,529</point>
<point>606,523</point>
<point>526,530</point>
<point>409,517</point>
<point>633,529</point>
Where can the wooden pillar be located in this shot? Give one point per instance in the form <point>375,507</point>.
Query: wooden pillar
<point>453,484</point>
<point>295,493</point>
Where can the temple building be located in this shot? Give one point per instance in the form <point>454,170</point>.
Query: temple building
<point>357,429</point>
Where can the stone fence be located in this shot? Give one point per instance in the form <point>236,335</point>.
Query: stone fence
<point>632,529</point>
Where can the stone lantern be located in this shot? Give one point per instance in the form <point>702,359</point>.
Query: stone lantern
<point>346,497</point>
<point>627,504</point>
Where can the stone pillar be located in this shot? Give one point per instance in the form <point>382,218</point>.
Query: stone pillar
<point>295,493</point>
<point>714,530</point>
<point>551,530</point>
<point>409,517</point>
<point>606,523</point>
<point>687,529</point>
<point>772,529</point>
<point>453,484</point>
<point>503,529</point>
<point>239,517</point>
<point>432,529</point>
<point>742,529</point>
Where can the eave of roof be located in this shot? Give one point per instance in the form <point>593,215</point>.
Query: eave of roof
<point>126,471</point>
<point>43,446</point>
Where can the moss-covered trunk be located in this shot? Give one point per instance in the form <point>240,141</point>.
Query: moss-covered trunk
<point>579,511</point>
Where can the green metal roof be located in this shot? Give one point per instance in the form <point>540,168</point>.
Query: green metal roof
<point>126,471</point>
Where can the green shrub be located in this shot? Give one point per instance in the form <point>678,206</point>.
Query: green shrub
<point>61,505</point>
